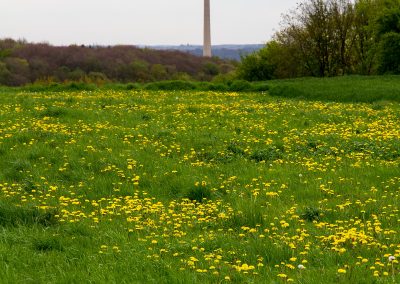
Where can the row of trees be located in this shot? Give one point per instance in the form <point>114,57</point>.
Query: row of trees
<point>22,63</point>
<point>330,38</point>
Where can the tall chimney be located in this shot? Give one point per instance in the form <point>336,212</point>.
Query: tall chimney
<point>207,30</point>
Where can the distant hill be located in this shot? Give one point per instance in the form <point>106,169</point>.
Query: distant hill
<point>22,63</point>
<point>226,51</point>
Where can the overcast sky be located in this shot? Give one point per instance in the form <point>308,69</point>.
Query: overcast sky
<point>149,22</point>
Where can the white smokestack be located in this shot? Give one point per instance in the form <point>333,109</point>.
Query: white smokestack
<point>207,30</point>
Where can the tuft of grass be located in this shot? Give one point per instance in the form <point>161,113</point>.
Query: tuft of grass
<point>47,244</point>
<point>235,149</point>
<point>311,214</point>
<point>199,193</point>
<point>16,170</point>
<point>54,112</point>
<point>268,154</point>
<point>12,215</point>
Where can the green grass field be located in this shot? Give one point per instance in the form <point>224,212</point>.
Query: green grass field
<point>197,187</point>
<point>366,89</point>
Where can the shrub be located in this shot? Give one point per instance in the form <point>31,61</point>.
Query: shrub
<point>260,65</point>
<point>211,69</point>
<point>77,86</point>
<point>260,87</point>
<point>4,73</point>
<point>133,86</point>
<point>240,86</point>
<point>206,86</point>
<point>97,78</point>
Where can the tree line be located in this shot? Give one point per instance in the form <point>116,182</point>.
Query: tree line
<point>330,38</point>
<point>23,63</point>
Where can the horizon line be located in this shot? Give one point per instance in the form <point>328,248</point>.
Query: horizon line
<point>126,44</point>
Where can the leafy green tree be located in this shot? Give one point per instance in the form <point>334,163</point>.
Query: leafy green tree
<point>317,38</point>
<point>260,65</point>
<point>39,69</point>
<point>4,73</point>
<point>181,76</point>
<point>159,72</point>
<point>390,54</point>
<point>139,71</point>
<point>62,73</point>
<point>19,71</point>
<point>4,53</point>
<point>76,75</point>
<point>365,44</point>
<point>388,33</point>
<point>342,18</point>
<point>97,77</point>
<point>210,69</point>
<point>389,19</point>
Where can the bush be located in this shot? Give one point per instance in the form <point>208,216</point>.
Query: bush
<point>4,73</point>
<point>57,87</point>
<point>97,78</point>
<point>240,86</point>
<point>260,65</point>
<point>217,87</point>
<point>260,87</point>
<point>211,69</point>
<point>75,86</point>
<point>132,86</point>
<point>226,79</point>
<point>206,86</point>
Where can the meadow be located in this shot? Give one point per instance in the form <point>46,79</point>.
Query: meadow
<point>366,89</point>
<point>140,186</point>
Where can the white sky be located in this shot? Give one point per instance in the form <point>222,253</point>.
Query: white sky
<point>149,22</point>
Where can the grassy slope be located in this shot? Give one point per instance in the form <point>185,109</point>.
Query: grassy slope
<point>289,182</point>
<point>367,89</point>
<point>342,89</point>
